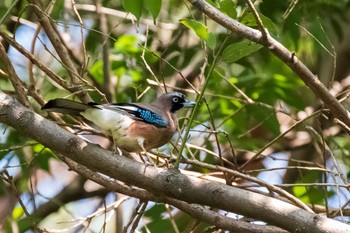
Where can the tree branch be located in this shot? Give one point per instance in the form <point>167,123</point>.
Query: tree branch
<point>72,192</point>
<point>57,79</point>
<point>196,211</point>
<point>108,88</point>
<point>288,57</point>
<point>15,80</point>
<point>57,42</point>
<point>167,182</point>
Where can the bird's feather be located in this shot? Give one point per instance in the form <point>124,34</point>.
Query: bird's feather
<point>67,106</point>
<point>139,113</point>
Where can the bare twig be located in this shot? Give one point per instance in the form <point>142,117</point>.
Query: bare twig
<point>81,23</point>
<point>59,45</point>
<point>127,16</point>
<point>277,138</point>
<point>57,79</point>
<point>258,20</point>
<point>15,80</point>
<point>172,220</point>
<point>290,8</point>
<point>270,187</point>
<point>282,53</point>
<point>108,88</point>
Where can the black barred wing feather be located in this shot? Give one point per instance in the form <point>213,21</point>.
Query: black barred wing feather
<point>139,113</point>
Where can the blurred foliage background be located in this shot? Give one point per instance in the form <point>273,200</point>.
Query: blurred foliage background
<point>127,51</point>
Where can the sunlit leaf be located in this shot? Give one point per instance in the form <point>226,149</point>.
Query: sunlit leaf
<point>97,71</point>
<point>17,212</point>
<point>300,192</point>
<point>201,31</point>
<point>43,156</point>
<point>311,194</point>
<point>127,44</point>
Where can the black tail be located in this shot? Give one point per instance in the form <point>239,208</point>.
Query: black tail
<point>66,106</point>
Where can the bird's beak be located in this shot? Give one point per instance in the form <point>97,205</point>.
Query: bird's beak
<point>189,104</point>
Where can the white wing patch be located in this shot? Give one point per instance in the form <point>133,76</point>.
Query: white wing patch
<point>108,119</point>
<point>127,108</point>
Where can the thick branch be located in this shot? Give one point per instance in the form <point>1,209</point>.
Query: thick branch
<point>288,57</point>
<point>168,182</point>
<point>197,211</point>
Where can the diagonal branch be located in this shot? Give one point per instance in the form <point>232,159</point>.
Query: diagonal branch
<point>15,80</point>
<point>167,182</point>
<point>257,19</point>
<point>288,57</point>
<point>57,42</point>
<point>196,211</point>
<point>57,79</point>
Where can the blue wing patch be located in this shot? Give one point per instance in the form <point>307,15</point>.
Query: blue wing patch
<point>139,113</point>
<point>151,117</point>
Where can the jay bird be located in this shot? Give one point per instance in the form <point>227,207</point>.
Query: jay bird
<point>134,127</point>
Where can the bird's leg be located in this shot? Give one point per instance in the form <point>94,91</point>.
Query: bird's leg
<point>120,152</point>
<point>115,149</point>
<point>141,141</point>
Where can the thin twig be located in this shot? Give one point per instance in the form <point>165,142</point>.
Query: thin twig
<point>171,217</point>
<point>282,53</point>
<point>277,138</point>
<point>57,79</point>
<point>290,8</point>
<point>235,173</point>
<point>15,80</point>
<point>59,45</point>
<point>107,86</point>
<point>257,19</point>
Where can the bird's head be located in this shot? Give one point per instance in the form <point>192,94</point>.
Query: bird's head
<point>173,101</point>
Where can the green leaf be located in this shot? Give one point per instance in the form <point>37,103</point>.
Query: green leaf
<point>211,42</point>
<point>336,26</point>
<point>97,72</point>
<point>43,157</point>
<point>127,44</point>
<point>201,30</point>
<point>311,194</point>
<point>228,7</point>
<point>8,10</point>
<point>236,51</point>
<point>17,212</point>
<point>265,116</point>
<point>250,21</point>
<point>133,6</point>
<point>154,7</point>
<point>301,193</point>
<point>343,143</point>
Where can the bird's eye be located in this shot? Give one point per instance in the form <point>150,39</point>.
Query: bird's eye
<point>175,99</point>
